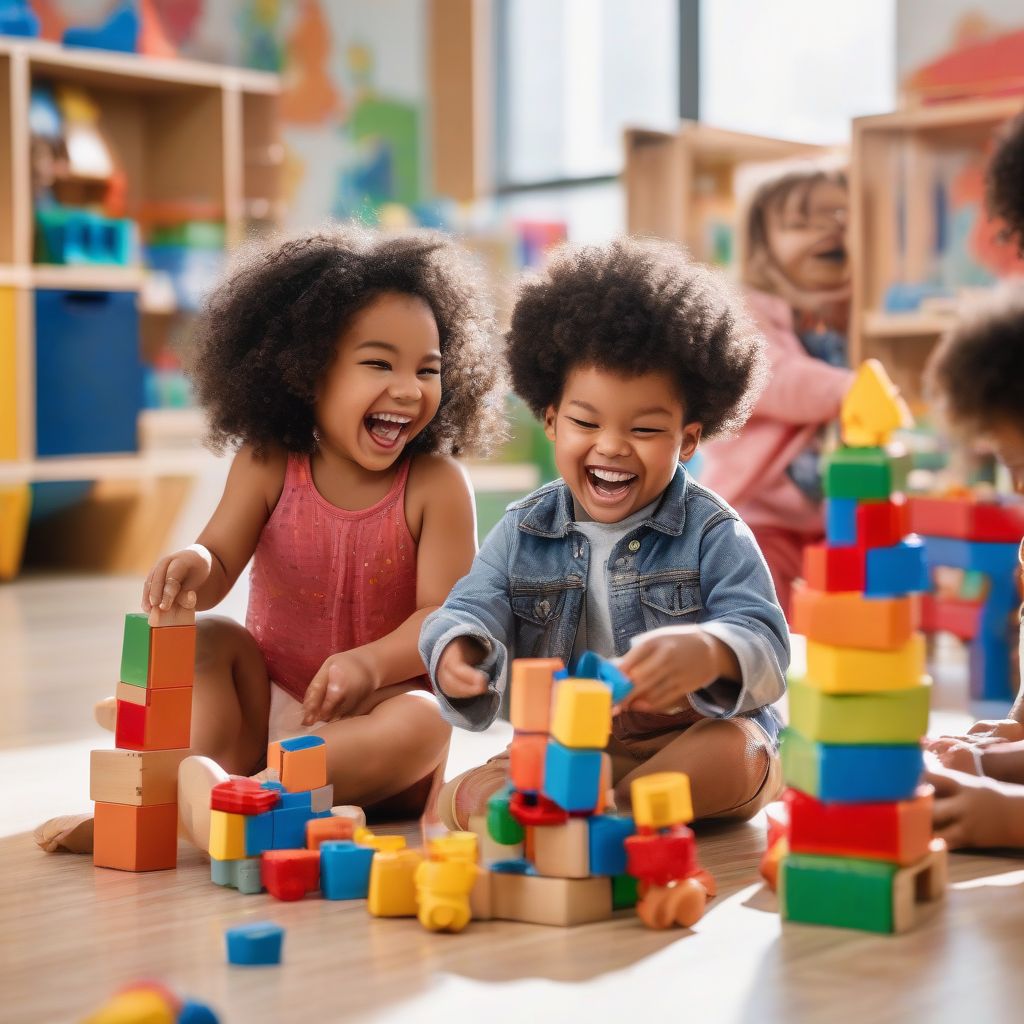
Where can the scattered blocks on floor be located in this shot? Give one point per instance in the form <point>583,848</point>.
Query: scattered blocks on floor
<point>853,670</point>
<point>301,762</point>
<point>853,620</point>
<point>392,886</point>
<point>135,838</point>
<point>345,870</point>
<point>290,874</point>
<point>255,943</point>
<point>139,777</point>
<point>442,894</point>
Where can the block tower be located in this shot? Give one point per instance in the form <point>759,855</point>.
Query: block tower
<point>135,786</point>
<point>860,846</point>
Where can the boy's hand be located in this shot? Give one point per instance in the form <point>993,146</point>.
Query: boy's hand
<point>665,670</point>
<point>457,674</point>
<point>950,749</point>
<point>176,578</point>
<point>969,811</point>
<point>341,685</point>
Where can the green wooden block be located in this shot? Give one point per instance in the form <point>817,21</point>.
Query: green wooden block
<point>502,827</point>
<point>838,891</point>
<point>135,649</point>
<point>625,891</point>
<point>891,716</point>
<point>863,473</point>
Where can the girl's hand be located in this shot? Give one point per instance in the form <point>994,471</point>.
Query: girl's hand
<point>665,670</point>
<point>457,674</point>
<point>341,685</point>
<point>176,578</point>
<point>982,735</point>
<point>969,811</point>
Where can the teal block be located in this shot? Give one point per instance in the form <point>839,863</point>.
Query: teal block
<point>247,876</point>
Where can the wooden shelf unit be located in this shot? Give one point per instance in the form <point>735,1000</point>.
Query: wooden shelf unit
<point>893,238</point>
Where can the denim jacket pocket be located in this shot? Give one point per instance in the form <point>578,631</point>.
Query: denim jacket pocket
<point>537,606</point>
<point>670,598</point>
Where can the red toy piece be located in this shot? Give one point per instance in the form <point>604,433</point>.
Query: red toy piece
<point>536,811</point>
<point>834,568</point>
<point>290,874</point>
<point>882,524</point>
<point>662,858</point>
<point>242,796</point>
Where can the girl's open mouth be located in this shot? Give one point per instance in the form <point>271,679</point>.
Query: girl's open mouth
<point>609,486</point>
<point>386,429</point>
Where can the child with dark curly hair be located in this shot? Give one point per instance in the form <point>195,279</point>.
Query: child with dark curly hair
<point>630,354</point>
<point>345,368</point>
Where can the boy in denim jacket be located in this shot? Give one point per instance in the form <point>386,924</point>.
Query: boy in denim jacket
<point>630,354</point>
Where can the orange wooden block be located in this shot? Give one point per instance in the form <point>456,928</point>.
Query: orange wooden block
<point>323,830</point>
<point>164,722</point>
<point>853,620</point>
<point>530,694</point>
<point>526,761</point>
<point>133,838</point>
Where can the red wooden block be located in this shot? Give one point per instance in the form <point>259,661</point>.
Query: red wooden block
<point>882,524</point>
<point>663,857</point>
<point>966,519</point>
<point>163,723</point>
<point>242,796</point>
<point>955,615</point>
<point>290,874</point>
<point>526,761</point>
<point>997,523</point>
<point>537,810</point>
<point>896,832</point>
<point>834,568</point>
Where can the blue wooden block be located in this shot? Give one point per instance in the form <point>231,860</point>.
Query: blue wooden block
<point>247,876</point>
<point>120,32</point>
<point>985,556</point>
<point>345,870</point>
<point>608,834</point>
<point>259,833</point>
<point>513,866</point>
<point>841,521</point>
<point>896,571</point>
<point>258,942</point>
<point>290,827</point>
<point>572,778</point>
<point>591,665</point>
<point>222,872</point>
<point>302,742</point>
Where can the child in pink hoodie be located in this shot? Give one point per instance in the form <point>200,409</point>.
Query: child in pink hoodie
<point>796,272</point>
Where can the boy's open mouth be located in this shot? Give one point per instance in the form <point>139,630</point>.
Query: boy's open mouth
<point>386,428</point>
<point>609,484</point>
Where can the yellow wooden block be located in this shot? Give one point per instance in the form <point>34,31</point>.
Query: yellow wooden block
<point>856,670</point>
<point>872,408</point>
<point>582,716</point>
<point>393,883</point>
<point>454,846</point>
<point>227,835</point>
<point>661,800</point>
<point>382,844</point>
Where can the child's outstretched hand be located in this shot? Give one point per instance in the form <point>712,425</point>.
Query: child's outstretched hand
<point>457,674</point>
<point>176,578</point>
<point>342,683</point>
<point>666,669</point>
<point>972,811</point>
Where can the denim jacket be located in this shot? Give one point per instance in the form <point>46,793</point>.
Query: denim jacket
<point>692,562</point>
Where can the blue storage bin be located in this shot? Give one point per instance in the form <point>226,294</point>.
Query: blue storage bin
<point>89,387</point>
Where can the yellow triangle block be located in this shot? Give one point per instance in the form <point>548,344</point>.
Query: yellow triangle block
<point>873,408</point>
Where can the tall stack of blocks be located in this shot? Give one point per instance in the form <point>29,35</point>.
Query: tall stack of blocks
<point>135,786</point>
<point>860,842</point>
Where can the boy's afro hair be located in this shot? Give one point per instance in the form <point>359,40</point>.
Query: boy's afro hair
<point>974,375</point>
<point>1005,181</point>
<point>636,306</point>
<point>269,332</point>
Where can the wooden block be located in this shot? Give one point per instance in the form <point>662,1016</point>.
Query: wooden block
<point>852,620</point>
<point>899,570</point>
<point>966,519</point>
<point>563,902</point>
<point>130,838</point>
<point>582,714</point>
<point>392,884</point>
<point>227,835</point>
<point>834,568</point>
<point>173,616</point>
<point>898,832</point>
<point>661,800</point>
<point>526,761</point>
<point>881,524</point>
<point>892,716</point>
<point>562,851</point>
<point>862,473</point>
<point>480,896</point>
<point>923,882</point>
<point>165,723</point>
<point>490,849</point>
<point>137,777</point>
<point>132,694</point>
<point>530,693</point>
<point>832,669</point>
<point>157,658</point>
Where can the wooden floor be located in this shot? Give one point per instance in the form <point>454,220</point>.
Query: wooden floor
<point>70,935</point>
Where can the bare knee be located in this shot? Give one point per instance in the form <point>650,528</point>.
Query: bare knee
<point>219,640</point>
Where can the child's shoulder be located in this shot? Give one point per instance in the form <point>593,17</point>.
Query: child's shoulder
<point>262,470</point>
<point>438,477</point>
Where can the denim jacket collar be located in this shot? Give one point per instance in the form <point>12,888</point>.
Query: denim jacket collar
<point>552,515</point>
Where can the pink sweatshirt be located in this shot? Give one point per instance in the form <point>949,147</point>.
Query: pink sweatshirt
<point>749,470</point>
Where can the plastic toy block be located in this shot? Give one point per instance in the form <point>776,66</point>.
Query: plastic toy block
<point>572,778</point>
<point>852,670</point>
<point>625,892</point>
<point>275,787</point>
<point>862,473</point>
<point>679,904</point>
<point>119,32</point>
<point>896,571</point>
<point>243,875</point>
<point>852,774</point>
<point>242,796</point>
<point>892,716</point>
<point>563,851</point>
<point>454,846</point>
<point>661,800</point>
<point>157,658</point>
<point>138,777</point>
<point>294,801</point>
<point>289,874</point>
<point>995,559</point>
<point>501,826</point>
<point>255,943</point>
<point>604,786</point>
<point>660,858</point>
<point>72,236</point>
<point>852,620</point>
<point>965,519</point>
<point>490,849</point>
<point>227,835</point>
<point>607,843</point>
<point>442,894</point>
<point>194,1012</point>
<point>301,762</point>
<point>526,761</point>
<point>897,832</point>
<point>521,866</point>
<point>381,844</point>
<point>832,569</point>
<point>530,693</point>
<point>165,723</point>
<point>322,799</point>
<point>392,890</point>
<point>564,902</point>
<point>290,827</point>
<point>222,872</point>
<point>958,616</point>
<point>531,810</point>
<point>840,522</point>
<point>321,830</point>
<point>582,714</point>
<point>592,666</point>
<point>132,838</point>
<point>881,524</point>
<point>259,833</point>
<point>138,1006</point>
<point>18,19</point>
<point>345,870</point>
<point>872,408</point>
